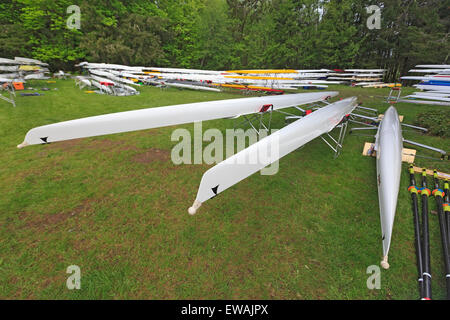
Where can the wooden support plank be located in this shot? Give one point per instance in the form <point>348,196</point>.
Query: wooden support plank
<point>441,175</point>
<point>369,150</point>
<point>408,155</point>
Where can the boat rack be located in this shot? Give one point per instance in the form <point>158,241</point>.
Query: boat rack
<point>368,111</point>
<point>8,87</point>
<point>265,112</point>
<point>339,141</point>
<point>263,121</point>
<point>392,98</point>
<point>257,121</point>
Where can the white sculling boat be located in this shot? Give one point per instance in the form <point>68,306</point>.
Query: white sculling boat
<point>165,116</point>
<point>249,161</point>
<point>389,148</point>
<point>189,86</point>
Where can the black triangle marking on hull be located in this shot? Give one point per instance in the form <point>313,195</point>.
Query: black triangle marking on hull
<point>45,140</point>
<point>384,237</point>
<point>215,191</point>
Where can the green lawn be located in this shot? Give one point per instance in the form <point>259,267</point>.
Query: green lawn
<point>116,206</point>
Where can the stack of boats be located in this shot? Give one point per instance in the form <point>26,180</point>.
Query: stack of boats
<point>22,69</point>
<point>286,79</point>
<point>118,79</point>
<point>16,72</point>
<point>109,79</point>
<point>434,83</point>
<point>366,78</point>
<point>270,81</point>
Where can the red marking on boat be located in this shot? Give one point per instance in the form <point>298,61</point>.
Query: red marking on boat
<point>266,107</point>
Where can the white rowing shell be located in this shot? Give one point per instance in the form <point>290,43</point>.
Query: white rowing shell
<point>435,78</point>
<point>433,93</point>
<point>109,66</point>
<point>366,70</point>
<point>389,148</point>
<point>434,66</point>
<point>432,87</point>
<point>256,157</point>
<point>21,60</point>
<point>192,87</point>
<point>184,71</point>
<point>7,61</point>
<point>9,68</point>
<point>429,97</point>
<point>440,71</point>
<point>164,116</point>
<point>113,77</point>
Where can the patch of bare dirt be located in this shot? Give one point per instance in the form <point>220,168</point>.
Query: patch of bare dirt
<point>84,206</point>
<point>103,145</point>
<point>65,146</point>
<point>108,145</point>
<point>152,155</point>
<point>42,222</point>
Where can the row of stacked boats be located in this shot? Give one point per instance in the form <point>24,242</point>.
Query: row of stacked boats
<point>434,83</point>
<point>22,69</point>
<point>119,79</point>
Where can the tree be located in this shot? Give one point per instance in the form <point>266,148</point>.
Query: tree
<point>230,34</point>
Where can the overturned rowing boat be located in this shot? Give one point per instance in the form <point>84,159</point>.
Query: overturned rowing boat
<point>389,148</point>
<point>240,166</point>
<point>189,86</point>
<point>389,151</point>
<point>165,116</point>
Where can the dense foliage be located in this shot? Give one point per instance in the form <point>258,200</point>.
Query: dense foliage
<point>436,121</point>
<point>227,34</point>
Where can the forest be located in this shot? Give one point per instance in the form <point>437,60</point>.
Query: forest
<point>229,34</point>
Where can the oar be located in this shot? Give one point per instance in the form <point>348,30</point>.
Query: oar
<point>425,192</point>
<point>438,193</point>
<point>447,208</point>
<point>415,207</point>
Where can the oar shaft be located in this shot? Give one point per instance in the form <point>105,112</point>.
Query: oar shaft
<point>425,239</point>
<point>417,242</point>
<point>447,209</point>
<point>443,229</point>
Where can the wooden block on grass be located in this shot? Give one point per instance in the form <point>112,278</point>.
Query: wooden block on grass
<point>369,150</point>
<point>408,155</point>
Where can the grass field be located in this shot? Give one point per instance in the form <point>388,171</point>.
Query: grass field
<point>116,206</point>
